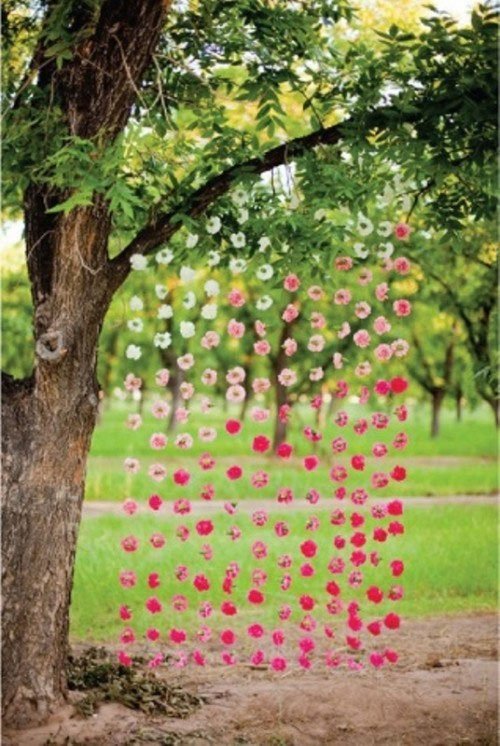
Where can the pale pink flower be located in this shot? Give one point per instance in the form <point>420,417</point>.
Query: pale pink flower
<point>318,321</point>
<point>162,377</point>
<point>342,297</point>
<point>207,434</point>
<point>261,385</point>
<point>236,375</point>
<point>186,361</point>
<point>316,374</point>
<point>383,352</point>
<point>132,383</point>
<point>128,578</point>
<point>181,415</point>
<point>362,310</point>
<point>235,329</point>
<point>316,343</point>
<point>315,292</point>
<point>289,346</point>
<point>235,394</point>
<point>157,472</point>
<point>160,409</point>
<point>210,340</point>
<point>402,231</point>
<point>260,328</point>
<point>209,377</point>
<point>361,338</point>
<point>382,291</point>
<point>344,330</point>
<point>290,313</point>
<point>365,276</point>
<point>205,404</point>
<point>130,507</point>
<point>131,465</point>
<point>287,377</point>
<point>186,390</point>
<point>400,347</point>
<point>259,415</point>
<point>338,361</point>
<point>184,440</point>
<point>363,369</point>
<point>402,265</point>
<point>158,441</point>
<point>262,347</point>
<point>134,421</point>
<point>343,263</point>
<point>381,325</point>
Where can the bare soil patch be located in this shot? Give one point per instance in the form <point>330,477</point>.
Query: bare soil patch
<point>443,691</point>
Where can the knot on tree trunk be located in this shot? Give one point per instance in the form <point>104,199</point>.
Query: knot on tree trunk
<point>50,346</point>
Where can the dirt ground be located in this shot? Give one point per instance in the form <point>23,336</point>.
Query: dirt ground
<point>443,691</point>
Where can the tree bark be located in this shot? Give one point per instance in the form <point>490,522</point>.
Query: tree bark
<point>436,403</point>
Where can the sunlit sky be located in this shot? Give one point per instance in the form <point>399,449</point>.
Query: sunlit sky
<point>12,232</point>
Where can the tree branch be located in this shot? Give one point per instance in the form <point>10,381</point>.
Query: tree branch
<point>164,226</point>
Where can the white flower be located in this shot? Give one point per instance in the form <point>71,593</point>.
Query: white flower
<point>360,251</point>
<point>385,251</point>
<point>320,214</point>
<point>161,291</point>
<point>189,300</point>
<point>187,274</point>
<point>237,266</point>
<point>264,303</point>
<point>191,240</point>
<point>187,329</point>
<point>239,197</point>
<point>265,272</point>
<point>135,325</point>
<point>162,340</point>
<point>165,311</point>
<point>264,243</point>
<point>136,303</point>
<point>213,225</point>
<point>133,352</point>
<point>211,288</point>
<point>209,311</point>
<point>164,256</point>
<point>384,228</point>
<point>243,215</point>
<point>238,240</point>
<point>138,261</point>
<point>213,258</point>
<point>365,225</point>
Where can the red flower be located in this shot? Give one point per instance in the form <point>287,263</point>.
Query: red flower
<point>307,602</point>
<point>181,477</point>
<point>380,534</point>
<point>382,387</point>
<point>397,567</point>
<point>233,427</point>
<point>255,630</point>
<point>353,642</point>
<point>332,588</point>
<point>261,444</point>
<point>284,450</point>
<point>178,636</point>
<point>398,385</point>
<point>391,656</point>
<point>255,597</point>
<point>392,621</point>
<point>309,548</point>
<point>357,520</point>
<point>153,605</point>
<point>201,583</point>
<point>398,473</point>
<point>358,558</point>
<point>228,637</point>
<point>204,527</point>
<point>358,539</point>
<point>234,472</point>
<point>395,507</point>
<point>374,594</point>
<point>228,608</point>
<point>311,463</point>
<point>395,527</point>
<point>374,628</point>
<point>155,502</point>
<point>153,580</point>
<point>358,462</point>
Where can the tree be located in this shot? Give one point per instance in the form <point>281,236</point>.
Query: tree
<point>117,116</point>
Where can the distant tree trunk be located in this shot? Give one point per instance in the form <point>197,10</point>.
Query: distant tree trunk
<point>437,397</point>
<point>248,391</point>
<point>458,404</point>
<point>174,386</point>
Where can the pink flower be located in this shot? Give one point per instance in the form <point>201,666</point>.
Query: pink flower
<point>204,527</point>
<point>285,495</point>
<point>338,361</point>
<point>236,298</point>
<point>379,450</point>
<point>362,310</point>
<point>153,580</point>
<point>290,313</point>
<point>235,394</point>
<point>284,450</point>
<point>278,663</point>
<point>309,548</point>
<point>262,347</point>
<point>124,659</point>
<point>361,338</point>
<point>259,479</point>
<point>198,658</point>
<point>343,263</point>
<point>291,283</point>
<point>131,465</point>
<point>255,597</point>
<point>125,613</point>
<point>281,529</point>
<point>397,568</point>
<point>261,385</point>
<point>210,340</point>
<point>287,377</point>
<point>181,477</point>
<point>400,347</point>
<point>186,361</point>
<point>379,480</point>
<point>402,231</point>
<point>260,328</point>
<point>311,463</point>
<point>318,321</point>
<point>128,578</point>
<point>316,343</point>
<point>130,507</point>
<point>134,421</point>
<point>235,329</point>
<point>162,377</point>
<point>402,265</point>
<point>383,352</point>
<point>374,594</point>
<point>400,441</point>
<point>206,461</point>
<point>342,297</point>
<point>344,330</point>
<point>381,325</point>
<point>153,605</point>
<point>261,444</point>
<point>228,608</point>
<point>228,637</point>
<point>233,427</point>
<point>234,472</point>
<point>402,307</point>
<point>258,414</point>
<point>289,346</point>
<point>315,293</point>
<point>157,540</point>
<point>382,291</point>
<point>377,660</point>
<point>178,636</point>
<point>132,383</point>
<point>130,544</point>
<point>365,276</point>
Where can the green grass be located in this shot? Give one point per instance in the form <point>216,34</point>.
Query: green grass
<point>450,553</point>
<point>460,461</point>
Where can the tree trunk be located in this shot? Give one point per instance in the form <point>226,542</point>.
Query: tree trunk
<point>48,422</point>
<point>458,405</point>
<point>437,400</point>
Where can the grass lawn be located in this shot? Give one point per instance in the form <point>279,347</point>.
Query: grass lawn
<point>460,461</point>
<point>450,553</point>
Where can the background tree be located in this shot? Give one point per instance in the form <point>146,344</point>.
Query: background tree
<point>117,115</point>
